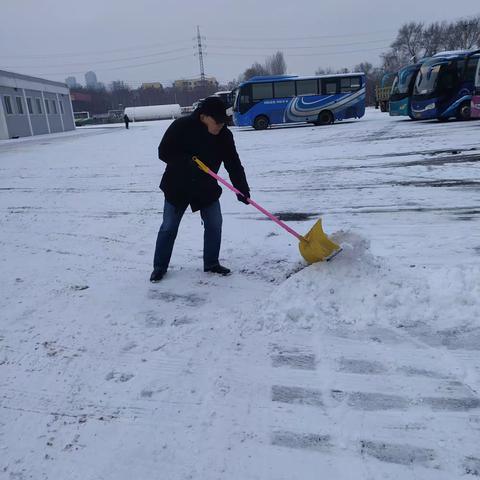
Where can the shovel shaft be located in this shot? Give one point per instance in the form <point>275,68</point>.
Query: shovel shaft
<point>274,218</point>
<point>203,167</point>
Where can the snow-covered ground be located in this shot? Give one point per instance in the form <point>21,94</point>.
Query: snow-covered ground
<point>365,367</point>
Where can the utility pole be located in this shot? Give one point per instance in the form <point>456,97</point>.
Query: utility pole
<point>200,56</point>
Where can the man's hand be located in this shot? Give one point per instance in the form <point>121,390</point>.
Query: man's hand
<point>243,198</point>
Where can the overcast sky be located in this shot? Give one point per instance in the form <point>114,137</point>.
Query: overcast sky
<point>153,40</point>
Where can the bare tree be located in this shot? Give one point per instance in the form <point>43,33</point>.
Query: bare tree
<point>257,69</point>
<point>394,60</point>
<point>275,65</point>
<point>415,41</point>
<point>121,94</point>
<point>409,41</point>
<point>324,71</point>
<point>151,95</point>
<point>465,33</point>
<point>365,67</point>
<point>232,84</point>
<point>373,77</point>
<point>435,38</point>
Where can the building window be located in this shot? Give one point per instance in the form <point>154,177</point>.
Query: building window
<point>47,106</point>
<point>19,105</point>
<point>54,105</point>
<point>61,107</point>
<point>29,105</point>
<point>8,105</point>
<point>39,106</point>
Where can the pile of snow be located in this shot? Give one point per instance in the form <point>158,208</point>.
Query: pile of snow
<point>359,289</point>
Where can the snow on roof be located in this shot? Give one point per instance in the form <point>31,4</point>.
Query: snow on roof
<point>455,53</point>
<point>21,76</point>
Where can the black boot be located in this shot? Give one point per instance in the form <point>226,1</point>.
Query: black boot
<point>156,276</point>
<point>218,269</point>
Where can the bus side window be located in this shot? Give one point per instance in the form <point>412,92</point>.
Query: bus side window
<point>307,87</point>
<point>471,69</point>
<point>448,80</point>
<point>261,91</point>
<point>349,84</point>
<point>284,89</point>
<point>330,86</point>
<point>355,83</point>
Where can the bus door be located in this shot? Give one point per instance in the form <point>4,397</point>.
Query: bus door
<point>261,95</point>
<point>243,101</point>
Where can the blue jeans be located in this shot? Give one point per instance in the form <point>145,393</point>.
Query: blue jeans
<point>212,221</point>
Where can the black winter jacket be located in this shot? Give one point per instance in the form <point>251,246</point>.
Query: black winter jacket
<point>183,182</point>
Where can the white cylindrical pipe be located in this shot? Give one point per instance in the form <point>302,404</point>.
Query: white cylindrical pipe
<point>153,112</point>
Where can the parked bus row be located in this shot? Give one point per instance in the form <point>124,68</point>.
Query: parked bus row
<point>440,87</point>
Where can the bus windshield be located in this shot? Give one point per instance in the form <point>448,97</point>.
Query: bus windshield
<point>427,79</point>
<point>401,85</point>
<point>235,94</point>
<point>404,79</point>
<point>395,89</point>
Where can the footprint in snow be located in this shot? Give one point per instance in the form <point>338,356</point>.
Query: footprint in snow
<point>119,377</point>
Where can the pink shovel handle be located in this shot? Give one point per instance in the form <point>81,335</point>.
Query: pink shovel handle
<point>249,200</point>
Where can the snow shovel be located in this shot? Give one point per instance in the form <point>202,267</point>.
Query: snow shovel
<point>315,246</point>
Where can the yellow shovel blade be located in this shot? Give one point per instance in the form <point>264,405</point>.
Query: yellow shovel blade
<point>317,246</point>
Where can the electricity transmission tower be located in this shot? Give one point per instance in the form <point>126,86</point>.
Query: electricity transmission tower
<point>200,56</point>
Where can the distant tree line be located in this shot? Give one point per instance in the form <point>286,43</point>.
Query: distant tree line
<point>119,95</point>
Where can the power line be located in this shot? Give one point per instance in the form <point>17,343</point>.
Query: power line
<point>223,50</point>
<point>308,37</point>
<point>316,54</point>
<point>176,42</point>
<point>300,47</point>
<point>98,52</point>
<point>121,67</point>
<point>90,64</point>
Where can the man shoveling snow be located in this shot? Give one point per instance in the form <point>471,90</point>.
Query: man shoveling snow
<point>203,134</point>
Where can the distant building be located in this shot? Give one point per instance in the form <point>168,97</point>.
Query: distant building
<point>71,82</point>
<point>190,84</point>
<point>156,85</point>
<point>33,106</point>
<point>91,80</point>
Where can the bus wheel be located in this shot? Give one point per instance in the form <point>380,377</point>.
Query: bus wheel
<point>463,112</point>
<point>260,123</point>
<point>325,118</point>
